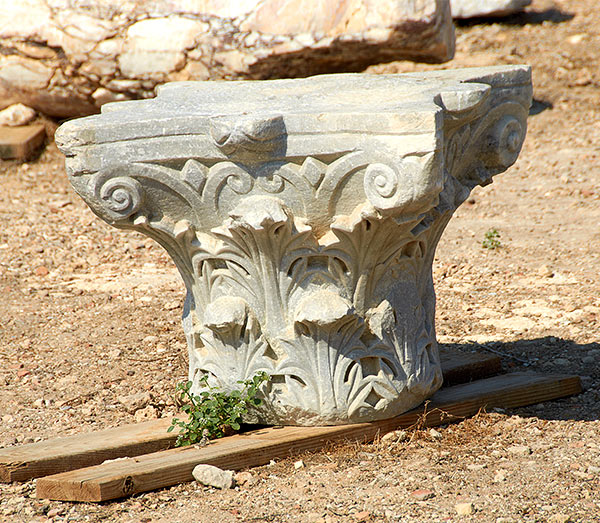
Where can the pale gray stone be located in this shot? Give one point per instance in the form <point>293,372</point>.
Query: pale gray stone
<point>475,8</point>
<point>212,476</point>
<point>303,216</point>
<point>69,58</point>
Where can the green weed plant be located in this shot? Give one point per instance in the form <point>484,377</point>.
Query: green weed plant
<point>214,413</point>
<point>491,240</point>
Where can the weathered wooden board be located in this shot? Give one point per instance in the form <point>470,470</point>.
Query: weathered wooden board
<point>84,450</point>
<point>161,469</point>
<point>462,367</point>
<point>21,142</point>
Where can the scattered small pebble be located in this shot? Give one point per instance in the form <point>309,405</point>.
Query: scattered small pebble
<point>576,38</point>
<point>464,509</point>
<point>147,413</point>
<point>422,494</point>
<point>299,464</point>
<point>245,478</point>
<point>212,476</point>
<point>476,466</point>
<point>500,476</point>
<point>435,434</point>
<point>16,115</point>
<point>522,450</point>
<point>560,518</point>
<point>171,305</point>
<point>41,271</point>
<point>395,436</point>
<point>135,402</point>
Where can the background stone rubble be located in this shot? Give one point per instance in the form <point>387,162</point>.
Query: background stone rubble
<point>67,59</point>
<point>476,8</point>
<point>16,115</point>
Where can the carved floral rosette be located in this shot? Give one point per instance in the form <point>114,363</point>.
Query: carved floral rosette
<point>305,235</point>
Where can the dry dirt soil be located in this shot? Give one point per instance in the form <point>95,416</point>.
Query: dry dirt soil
<point>90,316</point>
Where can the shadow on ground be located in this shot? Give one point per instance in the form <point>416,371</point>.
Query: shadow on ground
<point>550,355</point>
<point>538,106</point>
<point>552,15</point>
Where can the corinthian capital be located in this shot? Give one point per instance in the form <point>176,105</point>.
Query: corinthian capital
<point>303,216</point>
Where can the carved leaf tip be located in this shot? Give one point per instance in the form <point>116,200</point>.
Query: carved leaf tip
<point>260,212</point>
<point>323,308</point>
<point>225,313</point>
<point>247,133</point>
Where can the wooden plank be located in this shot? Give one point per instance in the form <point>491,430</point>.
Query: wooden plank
<point>162,469</point>
<point>462,367</point>
<point>21,142</point>
<point>84,450</point>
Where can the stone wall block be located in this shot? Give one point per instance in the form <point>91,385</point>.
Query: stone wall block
<point>97,45</point>
<point>479,8</point>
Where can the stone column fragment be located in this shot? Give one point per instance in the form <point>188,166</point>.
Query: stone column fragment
<point>303,216</point>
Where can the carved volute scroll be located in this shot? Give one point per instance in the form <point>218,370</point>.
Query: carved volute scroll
<point>303,216</point>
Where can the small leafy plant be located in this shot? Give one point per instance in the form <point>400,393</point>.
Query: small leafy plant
<point>214,413</point>
<point>491,240</point>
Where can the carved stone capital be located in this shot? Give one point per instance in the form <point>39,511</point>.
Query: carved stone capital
<point>303,216</point>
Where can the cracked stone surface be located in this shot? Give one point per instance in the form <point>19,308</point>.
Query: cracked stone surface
<point>303,218</point>
<point>67,59</point>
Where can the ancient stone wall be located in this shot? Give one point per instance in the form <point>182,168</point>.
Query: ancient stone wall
<point>67,58</point>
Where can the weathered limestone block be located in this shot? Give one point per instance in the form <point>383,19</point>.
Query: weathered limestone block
<point>303,216</point>
<point>475,8</point>
<point>69,58</point>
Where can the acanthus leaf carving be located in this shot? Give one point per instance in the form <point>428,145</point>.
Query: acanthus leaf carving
<point>270,293</point>
<point>308,255</point>
<point>276,279</point>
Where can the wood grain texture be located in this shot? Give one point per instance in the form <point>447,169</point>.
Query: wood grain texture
<point>462,367</point>
<point>84,450</point>
<point>21,142</point>
<point>162,469</point>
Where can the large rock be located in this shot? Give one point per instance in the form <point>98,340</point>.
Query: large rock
<point>67,59</point>
<point>475,8</point>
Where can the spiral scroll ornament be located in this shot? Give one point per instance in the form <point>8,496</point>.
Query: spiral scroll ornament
<point>387,188</point>
<point>508,137</point>
<point>119,197</point>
